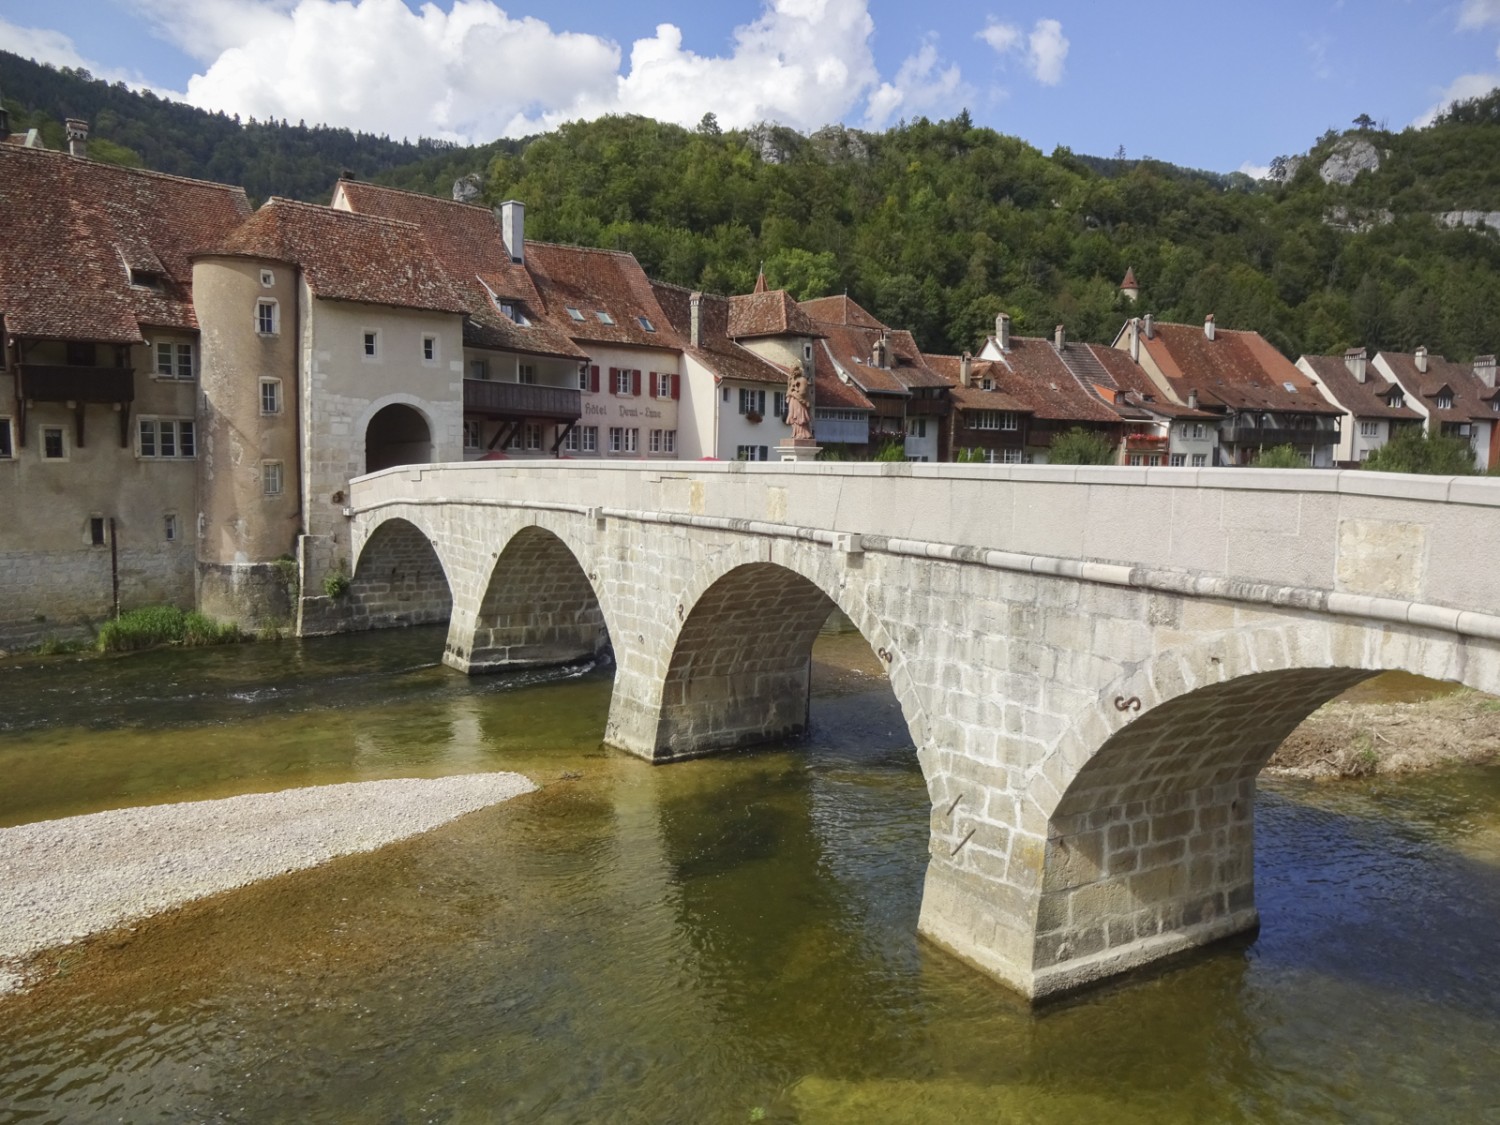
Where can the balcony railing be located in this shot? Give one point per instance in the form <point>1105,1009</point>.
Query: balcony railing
<point>1277,435</point>
<point>521,400</point>
<point>928,407</point>
<point>1146,441</point>
<point>56,383</point>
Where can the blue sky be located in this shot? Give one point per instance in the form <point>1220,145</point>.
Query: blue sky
<point>1206,84</point>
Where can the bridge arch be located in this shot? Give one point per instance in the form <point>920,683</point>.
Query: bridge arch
<point>399,578</point>
<point>1148,833</point>
<point>539,607</point>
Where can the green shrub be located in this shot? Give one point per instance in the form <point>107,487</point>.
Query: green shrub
<point>163,625</point>
<point>1279,457</point>
<point>336,585</point>
<point>200,630</point>
<point>1412,451</point>
<point>971,456</point>
<point>892,451</point>
<point>1081,447</point>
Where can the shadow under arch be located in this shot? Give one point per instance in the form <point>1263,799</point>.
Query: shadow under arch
<point>740,670</point>
<point>397,434</point>
<point>539,607</point>
<point>399,579</point>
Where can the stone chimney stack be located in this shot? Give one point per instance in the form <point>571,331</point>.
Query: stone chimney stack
<point>966,370</point>
<point>1150,326</point>
<point>1135,339</point>
<point>1002,331</point>
<point>1420,359</point>
<point>1357,361</point>
<point>881,354</point>
<point>1060,337</point>
<point>78,137</point>
<point>1208,326</point>
<point>513,229</point>
<point>695,320</point>
<point>1484,367</point>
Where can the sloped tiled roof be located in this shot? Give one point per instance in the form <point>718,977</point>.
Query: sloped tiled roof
<point>768,313</point>
<point>829,390</point>
<point>594,281</point>
<point>1362,400</point>
<point>346,256</point>
<point>1134,387</point>
<point>1035,374</point>
<point>1469,392</point>
<point>1236,370</point>
<point>715,350</point>
<point>467,240</point>
<point>974,396</point>
<point>839,310</point>
<point>73,228</point>
<point>851,340</point>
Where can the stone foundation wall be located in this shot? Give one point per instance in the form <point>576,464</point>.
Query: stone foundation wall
<point>66,595</point>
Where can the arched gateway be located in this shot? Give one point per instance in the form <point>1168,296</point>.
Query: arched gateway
<point>1094,664</point>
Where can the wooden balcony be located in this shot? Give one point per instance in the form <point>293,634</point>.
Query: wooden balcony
<point>1147,442</point>
<point>47,383</point>
<point>1278,435</point>
<point>521,400</point>
<point>928,408</point>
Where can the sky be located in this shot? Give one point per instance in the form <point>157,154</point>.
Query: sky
<point>1202,83</point>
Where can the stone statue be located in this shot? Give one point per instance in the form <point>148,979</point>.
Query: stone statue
<point>798,408</point>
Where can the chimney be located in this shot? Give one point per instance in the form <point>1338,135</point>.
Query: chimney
<point>1357,360</point>
<point>1193,399</point>
<point>1060,337</point>
<point>1002,331</point>
<point>78,137</point>
<point>966,371</point>
<point>1484,367</point>
<point>1420,359</point>
<point>1135,339</point>
<point>1150,325</point>
<point>513,229</point>
<point>695,320</point>
<point>882,351</point>
<point>1208,326</point>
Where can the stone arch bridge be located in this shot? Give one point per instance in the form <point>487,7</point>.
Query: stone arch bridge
<point>1094,663</point>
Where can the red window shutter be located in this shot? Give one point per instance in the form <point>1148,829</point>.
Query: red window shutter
<point>635,383</point>
<point>676,386</point>
<point>614,380</point>
<point>653,384</point>
<point>594,378</point>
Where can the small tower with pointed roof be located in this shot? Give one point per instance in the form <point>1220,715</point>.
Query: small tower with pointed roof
<point>1130,288</point>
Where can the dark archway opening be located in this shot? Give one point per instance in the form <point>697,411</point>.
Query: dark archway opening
<point>397,435</point>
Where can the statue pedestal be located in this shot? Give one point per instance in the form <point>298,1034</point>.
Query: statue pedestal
<point>798,449</point>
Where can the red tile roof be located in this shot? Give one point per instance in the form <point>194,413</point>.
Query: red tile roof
<point>1135,388</point>
<point>73,227</point>
<point>829,390</point>
<point>839,310</point>
<point>974,396</point>
<point>852,338</point>
<point>1236,370</point>
<point>467,239</point>
<point>594,281</point>
<point>772,313</point>
<point>1469,392</point>
<point>1035,374</point>
<point>1130,281</point>
<point>715,350</point>
<point>1362,400</point>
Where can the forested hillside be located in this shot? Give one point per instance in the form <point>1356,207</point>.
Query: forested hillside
<point>934,226</point>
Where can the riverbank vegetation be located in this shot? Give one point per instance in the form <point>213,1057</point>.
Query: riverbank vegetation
<point>159,625</point>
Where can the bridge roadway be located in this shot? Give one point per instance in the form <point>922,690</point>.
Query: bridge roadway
<point>1095,663</point>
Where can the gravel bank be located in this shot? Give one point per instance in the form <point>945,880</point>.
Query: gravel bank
<point>61,880</point>
<point>1351,739</point>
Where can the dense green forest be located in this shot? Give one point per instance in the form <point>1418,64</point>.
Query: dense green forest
<point>934,226</point>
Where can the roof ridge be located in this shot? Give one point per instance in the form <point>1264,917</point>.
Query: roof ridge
<point>590,249</point>
<point>339,211</point>
<point>419,194</point>
<point>123,169</point>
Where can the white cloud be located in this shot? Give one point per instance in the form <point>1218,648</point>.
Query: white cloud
<point>1462,88</point>
<point>1478,13</point>
<point>923,85</point>
<point>475,72</point>
<point>54,47</point>
<point>1045,49</point>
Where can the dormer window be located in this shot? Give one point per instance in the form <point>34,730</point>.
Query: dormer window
<point>604,317</point>
<point>146,279</point>
<point>512,312</point>
<point>1396,400</point>
<point>1444,401</point>
<point>645,323</point>
<point>576,314</point>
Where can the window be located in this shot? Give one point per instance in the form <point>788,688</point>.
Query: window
<point>512,312</point>
<point>624,440</point>
<point>7,440</point>
<point>1395,400</point>
<point>1177,460</point>
<point>1369,429</point>
<point>752,402</point>
<point>1200,460</point>
<point>807,351</point>
<point>994,420</point>
<point>267,317</point>
<point>569,438</point>
<point>166,438</point>
<point>479,369</point>
<point>1364,454</point>
<point>604,317</point>
<point>669,441</point>
<point>473,433</point>
<point>724,394</point>
<point>98,531</point>
<point>916,427</point>
<point>1445,401</point>
<point>525,373</point>
<point>752,453</point>
<point>1012,457</point>
<point>267,278</point>
<point>1495,406</point>
<point>576,314</point>
<point>778,404</point>
<point>1137,459</point>
<point>145,279</point>
<point>174,360</point>
<point>270,478</point>
<point>169,526</point>
<point>54,447</point>
<point>371,344</point>
<point>270,396</point>
<point>590,441</point>
<point>655,441</point>
<point>533,432</point>
<point>645,322</point>
<point>622,380</point>
<point>429,349</point>
<point>583,377</point>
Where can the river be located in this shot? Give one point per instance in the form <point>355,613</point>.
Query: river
<point>725,940</point>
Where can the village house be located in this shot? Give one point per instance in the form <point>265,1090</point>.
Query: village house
<point>1454,400</point>
<point>1374,407</point>
<point>99,437</point>
<point>1259,398</point>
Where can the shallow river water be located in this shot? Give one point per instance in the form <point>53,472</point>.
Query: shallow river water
<point>727,940</point>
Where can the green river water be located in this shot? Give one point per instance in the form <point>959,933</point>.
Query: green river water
<point>726,940</point>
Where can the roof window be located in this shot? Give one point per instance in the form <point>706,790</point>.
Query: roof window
<point>576,314</point>
<point>146,279</point>
<point>513,312</point>
<point>1291,388</point>
<point>604,317</point>
<point>646,323</point>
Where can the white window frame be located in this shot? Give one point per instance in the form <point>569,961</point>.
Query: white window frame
<point>369,345</point>
<point>669,441</point>
<point>590,440</point>
<point>526,373</point>
<point>570,440</point>
<point>166,431</point>
<point>273,387</point>
<point>175,359</point>
<point>655,446</point>
<point>622,380</point>
<point>533,431</point>
<point>1200,460</point>
<point>1177,460</point>
<point>752,401</point>
<point>1012,457</point>
<point>272,479</point>
<point>1369,429</point>
<point>62,432</point>
<point>479,369</point>
<point>752,453</point>
<point>1445,402</point>
<point>267,279</point>
<point>576,314</point>
<point>473,433</point>
<point>268,317</point>
<point>604,317</point>
<point>431,356</point>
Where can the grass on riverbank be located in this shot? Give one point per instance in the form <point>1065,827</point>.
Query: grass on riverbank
<point>164,625</point>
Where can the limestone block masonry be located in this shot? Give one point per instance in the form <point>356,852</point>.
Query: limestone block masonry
<point>1094,663</point>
